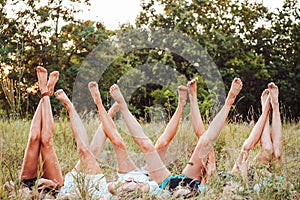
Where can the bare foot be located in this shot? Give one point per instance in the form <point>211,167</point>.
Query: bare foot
<point>53,78</point>
<point>235,89</point>
<point>264,98</point>
<point>273,94</point>
<point>263,156</point>
<point>42,78</point>
<point>238,163</point>
<point>116,94</point>
<point>192,87</point>
<point>244,166</point>
<point>182,94</point>
<point>113,110</point>
<point>61,96</point>
<point>93,87</point>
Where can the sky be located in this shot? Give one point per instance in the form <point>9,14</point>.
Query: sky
<point>115,12</point>
<point>112,12</point>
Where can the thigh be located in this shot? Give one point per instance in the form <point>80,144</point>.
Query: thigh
<point>156,168</point>
<point>31,160</point>
<point>196,168</point>
<point>51,167</point>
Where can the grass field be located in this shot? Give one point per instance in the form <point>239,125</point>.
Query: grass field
<point>13,138</point>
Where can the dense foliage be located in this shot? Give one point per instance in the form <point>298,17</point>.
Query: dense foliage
<point>243,39</point>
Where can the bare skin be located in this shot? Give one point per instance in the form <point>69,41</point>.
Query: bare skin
<point>51,165</point>
<point>211,134</point>
<point>42,75</point>
<point>88,154</point>
<point>124,163</point>
<point>157,170</point>
<point>197,121</point>
<point>40,138</point>
<point>235,88</point>
<point>165,139</point>
<point>252,140</point>
<point>170,132</point>
<point>276,136</point>
<point>99,137</point>
<point>53,78</point>
<point>198,125</point>
<point>88,163</point>
<point>204,145</point>
<point>266,149</point>
<point>270,145</point>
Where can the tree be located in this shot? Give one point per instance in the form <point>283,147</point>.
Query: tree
<point>43,35</point>
<point>237,36</point>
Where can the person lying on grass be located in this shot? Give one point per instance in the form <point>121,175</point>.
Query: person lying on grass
<point>40,142</point>
<point>271,143</point>
<point>95,181</point>
<point>192,174</point>
<point>86,180</point>
<point>50,180</point>
<point>165,139</point>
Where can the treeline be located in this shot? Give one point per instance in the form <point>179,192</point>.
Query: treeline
<point>150,59</point>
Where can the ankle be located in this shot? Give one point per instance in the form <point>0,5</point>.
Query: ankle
<point>229,101</point>
<point>69,105</point>
<point>44,89</point>
<point>43,94</point>
<point>275,105</point>
<point>123,107</point>
<point>181,103</point>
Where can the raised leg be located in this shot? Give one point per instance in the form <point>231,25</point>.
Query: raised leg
<point>30,163</point>
<point>277,137</point>
<point>253,138</point>
<point>197,164</point>
<point>266,150</point>
<point>51,167</point>
<point>124,163</point>
<point>165,139</point>
<point>99,137</point>
<point>157,170</point>
<point>88,163</point>
<point>198,124</point>
<point>197,121</point>
<point>53,78</point>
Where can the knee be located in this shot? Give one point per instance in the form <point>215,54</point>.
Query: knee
<point>34,136</point>
<point>206,141</point>
<point>247,146</point>
<point>47,138</point>
<point>118,142</point>
<point>83,151</point>
<point>268,149</point>
<point>160,144</point>
<point>277,155</point>
<point>147,146</point>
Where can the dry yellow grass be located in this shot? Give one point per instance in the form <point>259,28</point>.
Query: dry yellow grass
<point>14,133</point>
